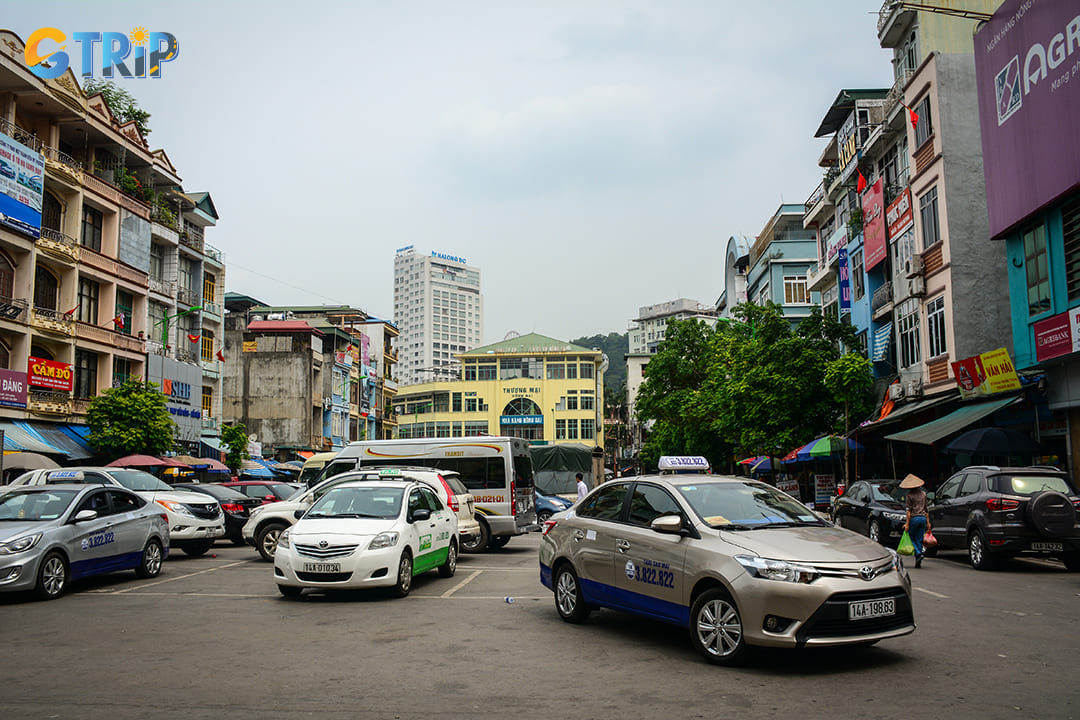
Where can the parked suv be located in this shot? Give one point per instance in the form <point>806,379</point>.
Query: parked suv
<point>266,523</point>
<point>1001,512</point>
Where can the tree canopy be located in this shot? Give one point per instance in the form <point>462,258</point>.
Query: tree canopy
<point>122,103</point>
<point>132,418</point>
<point>751,385</point>
<point>235,438</point>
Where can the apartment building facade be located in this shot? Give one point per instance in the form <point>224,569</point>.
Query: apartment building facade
<point>438,311</point>
<point>84,197</point>
<point>647,331</point>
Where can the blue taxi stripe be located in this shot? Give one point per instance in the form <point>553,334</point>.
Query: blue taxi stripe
<point>610,596</point>
<point>86,568</point>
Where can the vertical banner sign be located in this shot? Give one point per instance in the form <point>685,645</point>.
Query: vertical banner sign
<point>873,201</point>
<point>844,286</point>
<point>22,181</point>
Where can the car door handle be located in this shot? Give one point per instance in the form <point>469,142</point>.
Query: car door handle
<point>579,535</point>
<point>622,545</point>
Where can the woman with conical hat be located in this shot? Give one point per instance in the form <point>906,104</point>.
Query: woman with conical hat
<point>917,523</point>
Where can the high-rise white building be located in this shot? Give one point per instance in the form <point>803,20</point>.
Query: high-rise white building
<point>439,311</point>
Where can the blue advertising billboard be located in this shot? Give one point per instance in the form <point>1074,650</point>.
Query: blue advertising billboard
<point>22,180</point>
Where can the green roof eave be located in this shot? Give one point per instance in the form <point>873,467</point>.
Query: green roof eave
<point>530,344</point>
<point>842,107</point>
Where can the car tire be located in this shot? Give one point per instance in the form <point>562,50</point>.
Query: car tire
<point>569,601</point>
<point>543,516</point>
<point>289,591</point>
<point>52,577</point>
<point>874,531</point>
<point>150,563</point>
<point>266,539</point>
<point>404,575</point>
<point>978,552</point>
<point>1072,561</point>
<point>197,547</point>
<point>448,568</point>
<point>498,541</point>
<point>716,628</point>
<point>479,542</point>
<point>1051,513</point>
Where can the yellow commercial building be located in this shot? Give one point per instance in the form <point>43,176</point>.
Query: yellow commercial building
<point>534,387</point>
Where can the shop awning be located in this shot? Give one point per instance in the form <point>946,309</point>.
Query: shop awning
<point>57,435</point>
<point>17,437</point>
<point>955,421</point>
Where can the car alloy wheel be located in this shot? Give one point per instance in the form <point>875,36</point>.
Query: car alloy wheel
<point>568,598</point>
<point>151,560</point>
<point>980,558</point>
<point>716,628</point>
<point>267,540</point>
<point>448,568</point>
<point>404,575</point>
<point>875,531</point>
<point>52,577</point>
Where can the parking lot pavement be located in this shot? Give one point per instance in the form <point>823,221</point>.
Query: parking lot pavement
<point>211,636</point>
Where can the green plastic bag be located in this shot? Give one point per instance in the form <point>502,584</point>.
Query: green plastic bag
<point>906,547</point>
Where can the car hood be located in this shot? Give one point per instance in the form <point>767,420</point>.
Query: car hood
<point>13,530</point>
<point>885,505</point>
<point>352,527</point>
<point>810,544</point>
<point>180,496</point>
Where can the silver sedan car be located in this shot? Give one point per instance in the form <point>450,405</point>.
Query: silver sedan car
<point>735,561</point>
<point>51,535</point>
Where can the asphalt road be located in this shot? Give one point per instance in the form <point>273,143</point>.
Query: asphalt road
<point>212,638</point>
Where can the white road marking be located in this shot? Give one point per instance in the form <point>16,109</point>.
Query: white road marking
<point>498,569</point>
<point>142,586</point>
<point>931,592</point>
<point>461,584</point>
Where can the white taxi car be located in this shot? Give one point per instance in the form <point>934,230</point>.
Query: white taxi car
<point>368,533</point>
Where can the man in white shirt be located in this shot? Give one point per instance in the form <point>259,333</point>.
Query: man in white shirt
<point>582,488</point>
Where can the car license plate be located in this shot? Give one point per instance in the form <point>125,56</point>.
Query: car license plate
<point>867,609</point>
<point>322,567</point>
<point>1047,546</point>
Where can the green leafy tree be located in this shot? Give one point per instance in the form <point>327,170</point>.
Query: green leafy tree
<point>235,438</point>
<point>849,379</point>
<point>122,103</point>
<point>132,418</point>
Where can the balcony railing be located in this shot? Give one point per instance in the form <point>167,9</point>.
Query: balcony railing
<point>884,13</point>
<point>192,237</point>
<point>882,296</point>
<point>62,157</point>
<point>213,253</point>
<point>49,401</point>
<point>19,134</point>
<point>815,197</point>
<point>59,245</point>
<point>187,296</point>
<point>54,320</point>
<point>209,423</point>
<point>13,309</point>
<point>164,287</point>
<point>187,356</point>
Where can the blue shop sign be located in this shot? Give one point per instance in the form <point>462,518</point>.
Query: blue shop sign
<point>521,419</point>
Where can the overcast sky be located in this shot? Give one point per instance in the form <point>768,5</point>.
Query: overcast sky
<point>589,157</point>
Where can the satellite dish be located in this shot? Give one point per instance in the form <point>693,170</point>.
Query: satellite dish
<point>511,335</point>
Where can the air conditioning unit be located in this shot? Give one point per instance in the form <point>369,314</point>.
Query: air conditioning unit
<point>896,391</point>
<point>916,286</point>
<point>326,403</point>
<point>913,388</point>
<point>913,266</point>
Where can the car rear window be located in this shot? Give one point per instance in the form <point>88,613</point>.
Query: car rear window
<point>1030,484</point>
<point>456,485</point>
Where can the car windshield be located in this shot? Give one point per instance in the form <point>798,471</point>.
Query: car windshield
<point>37,506</point>
<point>745,506</point>
<point>138,480</point>
<point>1031,484</point>
<point>881,492</point>
<point>362,502</point>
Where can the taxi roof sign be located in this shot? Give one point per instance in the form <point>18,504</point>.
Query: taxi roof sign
<point>385,472</point>
<point>683,463</point>
<point>62,475</point>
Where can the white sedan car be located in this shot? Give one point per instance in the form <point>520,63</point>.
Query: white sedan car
<point>368,533</point>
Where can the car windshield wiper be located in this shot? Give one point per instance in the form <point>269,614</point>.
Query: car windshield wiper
<point>793,523</point>
<point>735,526</point>
<point>346,515</point>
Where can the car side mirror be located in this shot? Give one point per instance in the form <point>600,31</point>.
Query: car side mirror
<point>271,498</point>
<point>420,514</point>
<point>84,515</point>
<point>667,524</point>
<point>298,513</point>
<point>930,496</point>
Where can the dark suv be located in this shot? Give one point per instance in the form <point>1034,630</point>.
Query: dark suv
<point>1000,512</point>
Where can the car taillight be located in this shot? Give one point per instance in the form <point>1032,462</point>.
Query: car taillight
<point>451,499</point>
<point>999,504</point>
<point>232,507</point>
<point>548,524</point>
<point>513,497</point>
<point>164,517</point>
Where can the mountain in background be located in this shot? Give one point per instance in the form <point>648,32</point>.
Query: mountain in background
<point>615,346</point>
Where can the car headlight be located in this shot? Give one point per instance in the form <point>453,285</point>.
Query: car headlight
<point>19,544</point>
<point>255,512</point>
<point>897,560</point>
<point>175,507</point>
<point>777,569</point>
<point>383,540</point>
<point>894,516</point>
<point>283,540</point>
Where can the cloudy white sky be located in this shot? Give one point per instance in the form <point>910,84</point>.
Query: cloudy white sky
<point>589,157</point>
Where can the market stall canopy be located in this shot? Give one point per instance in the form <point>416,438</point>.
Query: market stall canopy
<point>144,461</point>
<point>826,446</point>
<point>28,461</point>
<point>957,420</point>
<point>555,467</point>
<point>212,465</point>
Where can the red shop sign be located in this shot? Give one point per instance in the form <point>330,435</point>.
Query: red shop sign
<point>50,374</point>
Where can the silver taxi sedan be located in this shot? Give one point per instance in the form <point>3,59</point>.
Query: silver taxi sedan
<point>51,535</point>
<point>735,561</point>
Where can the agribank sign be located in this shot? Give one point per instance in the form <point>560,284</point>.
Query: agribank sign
<point>1027,69</point>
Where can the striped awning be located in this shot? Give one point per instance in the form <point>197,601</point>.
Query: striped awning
<point>18,437</point>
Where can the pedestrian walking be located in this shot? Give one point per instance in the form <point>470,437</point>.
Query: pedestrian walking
<point>917,523</point>
<point>582,488</point>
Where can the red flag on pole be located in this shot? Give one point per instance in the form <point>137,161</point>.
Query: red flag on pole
<point>862,182</point>
<point>914,117</point>
<point>220,356</point>
<point>193,338</point>
<point>73,310</point>
<point>118,321</point>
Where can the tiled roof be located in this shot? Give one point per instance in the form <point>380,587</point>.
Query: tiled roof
<point>282,326</point>
<point>531,343</point>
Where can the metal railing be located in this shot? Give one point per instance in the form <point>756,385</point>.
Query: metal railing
<point>164,287</point>
<point>882,296</point>
<point>54,316</point>
<point>187,356</point>
<point>12,308</point>
<point>61,157</point>
<point>19,134</point>
<point>885,13</point>
<point>213,253</point>
<point>815,197</point>
<point>187,296</point>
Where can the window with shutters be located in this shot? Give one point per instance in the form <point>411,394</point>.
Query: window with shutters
<point>1070,231</point>
<point>1037,270</point>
